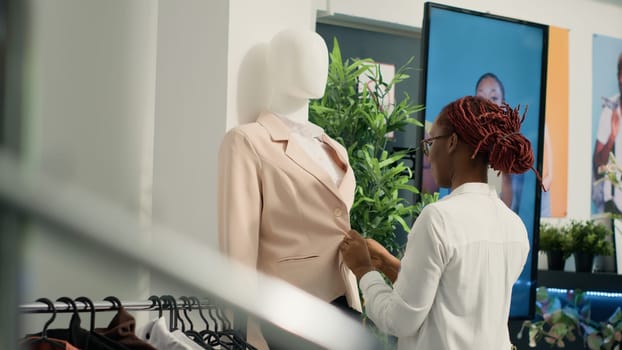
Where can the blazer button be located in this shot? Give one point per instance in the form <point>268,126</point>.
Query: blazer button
<point>338,212</point>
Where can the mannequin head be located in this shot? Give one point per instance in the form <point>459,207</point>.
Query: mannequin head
<point>298,69</point>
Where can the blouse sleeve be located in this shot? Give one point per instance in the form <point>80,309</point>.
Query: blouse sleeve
<point>401,311</point>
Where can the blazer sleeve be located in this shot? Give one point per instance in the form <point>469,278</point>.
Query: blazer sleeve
<point>239,198</point>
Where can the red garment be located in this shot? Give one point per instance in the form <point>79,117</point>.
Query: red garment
<point>121,329</point>
<point>38,343</point>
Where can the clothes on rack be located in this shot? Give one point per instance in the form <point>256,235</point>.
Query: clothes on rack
<point>158,334</point>
<point>74,334</point>
<point>81,338</point>
<point>121,333</point>
<point>121,329</point>
<point>38,343</point>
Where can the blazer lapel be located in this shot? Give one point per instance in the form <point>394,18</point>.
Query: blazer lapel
<point>294,151</point>
<point>348,183</point>
<point>297,154</point>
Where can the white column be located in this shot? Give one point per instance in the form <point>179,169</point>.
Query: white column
<point>190,114</point>
<point>89,95</point>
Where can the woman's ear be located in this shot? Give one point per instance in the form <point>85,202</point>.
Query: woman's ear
<point>452,145</point>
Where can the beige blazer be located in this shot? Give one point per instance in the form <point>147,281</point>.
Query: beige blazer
<point>281,213</point>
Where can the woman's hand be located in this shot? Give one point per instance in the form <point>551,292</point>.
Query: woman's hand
<point>383,260</point>
<point>377,253</point>
<point>355,254</point>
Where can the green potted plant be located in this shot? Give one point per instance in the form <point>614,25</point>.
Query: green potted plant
<point>552,241</point>
<point>557,321</point>
<point>585,240</point>
<point>361,120</point>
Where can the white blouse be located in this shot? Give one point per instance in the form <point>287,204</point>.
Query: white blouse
<point>453,291</point>
<point>309,136</point>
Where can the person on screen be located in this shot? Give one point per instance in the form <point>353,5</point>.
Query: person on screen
<point>453,286</point>
<point>608,141</point>
<point>490,86</point>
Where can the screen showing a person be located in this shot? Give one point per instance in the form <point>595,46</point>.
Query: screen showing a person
<point>471,53</point>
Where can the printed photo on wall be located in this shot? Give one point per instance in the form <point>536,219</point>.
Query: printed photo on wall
<point>384,72</point>
<point>606,113</point>
<point>504,60</point>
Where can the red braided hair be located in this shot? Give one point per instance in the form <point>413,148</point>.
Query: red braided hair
<point>493,131</point>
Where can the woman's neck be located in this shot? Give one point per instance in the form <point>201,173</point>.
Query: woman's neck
<point>471,170</point>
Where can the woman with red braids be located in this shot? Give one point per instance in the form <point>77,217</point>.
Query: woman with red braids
<point>452,288</point>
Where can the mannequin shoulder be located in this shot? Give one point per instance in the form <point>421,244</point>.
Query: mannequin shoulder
<point>251,138</point>
<point>240,135</point>
<point>245,131</point>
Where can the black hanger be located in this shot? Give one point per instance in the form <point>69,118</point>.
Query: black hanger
<point>235,338</point>
<point>44,336</point>
<point>73,333</point>
<point>168,304</point>
<point>156,301</point>
<point>50,304</point>
<point>169,301</point>
<point>224,320</point>
<point>209,336</point>
<point>191,333</point>
<point>226,336</point>
<point>88,305</point>
<point>195,300</point>
<point>70,303</point>
<point>116,303</point>
<point>187,306</point>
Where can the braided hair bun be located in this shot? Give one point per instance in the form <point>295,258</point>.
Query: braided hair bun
<point>493,131</point>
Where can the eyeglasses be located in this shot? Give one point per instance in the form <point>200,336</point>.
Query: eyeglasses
<point>426,144</point>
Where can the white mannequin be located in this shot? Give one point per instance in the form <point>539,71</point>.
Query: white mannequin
<point>285,187</point>
<point>298,65</point>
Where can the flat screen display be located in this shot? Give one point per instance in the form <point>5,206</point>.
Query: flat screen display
<point>465,51</point>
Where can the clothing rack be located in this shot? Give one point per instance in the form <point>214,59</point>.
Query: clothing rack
<point>61,307</point>
<point>218,331</point>
<point>165,303</point>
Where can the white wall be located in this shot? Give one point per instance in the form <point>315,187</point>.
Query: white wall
<point>88,93</point>
<point>583,18</point>
<point>86,103</point>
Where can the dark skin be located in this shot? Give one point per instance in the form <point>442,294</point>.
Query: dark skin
<point>452,166</point>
